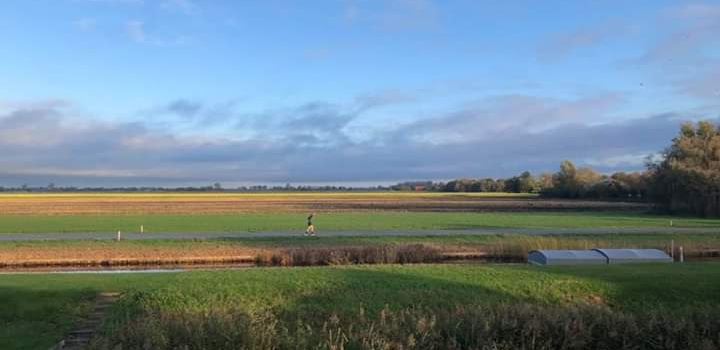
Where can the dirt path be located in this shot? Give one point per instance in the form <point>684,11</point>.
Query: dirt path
<point>17,237</point>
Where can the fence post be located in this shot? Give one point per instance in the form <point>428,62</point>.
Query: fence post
<point>682,255</point>
<point>672,249</point>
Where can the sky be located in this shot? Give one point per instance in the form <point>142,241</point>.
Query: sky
<point>355,92</point>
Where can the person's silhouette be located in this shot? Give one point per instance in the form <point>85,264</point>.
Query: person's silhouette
<point>310,227</point>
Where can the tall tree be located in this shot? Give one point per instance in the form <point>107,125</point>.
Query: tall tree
<point>688,177</point>
<point>565,182</point>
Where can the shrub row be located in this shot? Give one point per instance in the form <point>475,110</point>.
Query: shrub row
<point>380,254</point>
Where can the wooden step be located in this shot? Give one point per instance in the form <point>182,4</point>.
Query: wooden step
<point>80,337</point>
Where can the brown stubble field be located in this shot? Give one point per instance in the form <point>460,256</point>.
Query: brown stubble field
<point>108,253</point>
<point>109,249</point>
<point>231,203</point>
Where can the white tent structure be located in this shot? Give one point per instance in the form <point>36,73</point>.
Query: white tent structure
<point>566,257</point>
<point>597,256</point>
<point>623,256</point>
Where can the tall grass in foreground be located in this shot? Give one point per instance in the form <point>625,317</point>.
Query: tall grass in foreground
<point>518,326</point>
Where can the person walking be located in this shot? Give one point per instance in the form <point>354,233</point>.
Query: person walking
<point>310,227</point>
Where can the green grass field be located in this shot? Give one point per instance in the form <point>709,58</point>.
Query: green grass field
<point>380,221</point>
<point>38,309</point>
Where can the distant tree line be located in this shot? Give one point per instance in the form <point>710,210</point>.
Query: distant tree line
<point>685,180</point>
<point>569,182</point>
<point>524,183</point>
<point>573,182</point>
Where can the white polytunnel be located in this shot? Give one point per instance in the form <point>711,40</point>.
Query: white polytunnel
<point>566,257</point>
<point>620,256</point>
<point>597,256</point>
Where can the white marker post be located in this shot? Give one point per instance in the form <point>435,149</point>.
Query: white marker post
<point>142,229</point>
<point>672,249</point>
<point>118,236</point>
<point>682,255</point>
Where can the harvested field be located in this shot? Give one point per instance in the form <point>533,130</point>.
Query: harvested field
<point>231,203</point>
<point>89,253</point>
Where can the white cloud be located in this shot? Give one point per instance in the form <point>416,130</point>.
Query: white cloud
<point>85,24</point>
<point>694,29</point>
<point>632,161</point>
<point>704,84</point>
<point>487,118</point>
<point>184,6</point>
<point>686,60</point>
<point>136,31</point>
<point>563,44</point>
<point>393,15</point>
<point>114,2</point>
<point>697,12</point>
<point>49,142</point>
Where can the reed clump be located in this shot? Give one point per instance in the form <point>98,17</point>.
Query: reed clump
<point>374,254</point>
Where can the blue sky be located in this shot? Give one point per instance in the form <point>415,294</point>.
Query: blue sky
<point>184,92</point>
